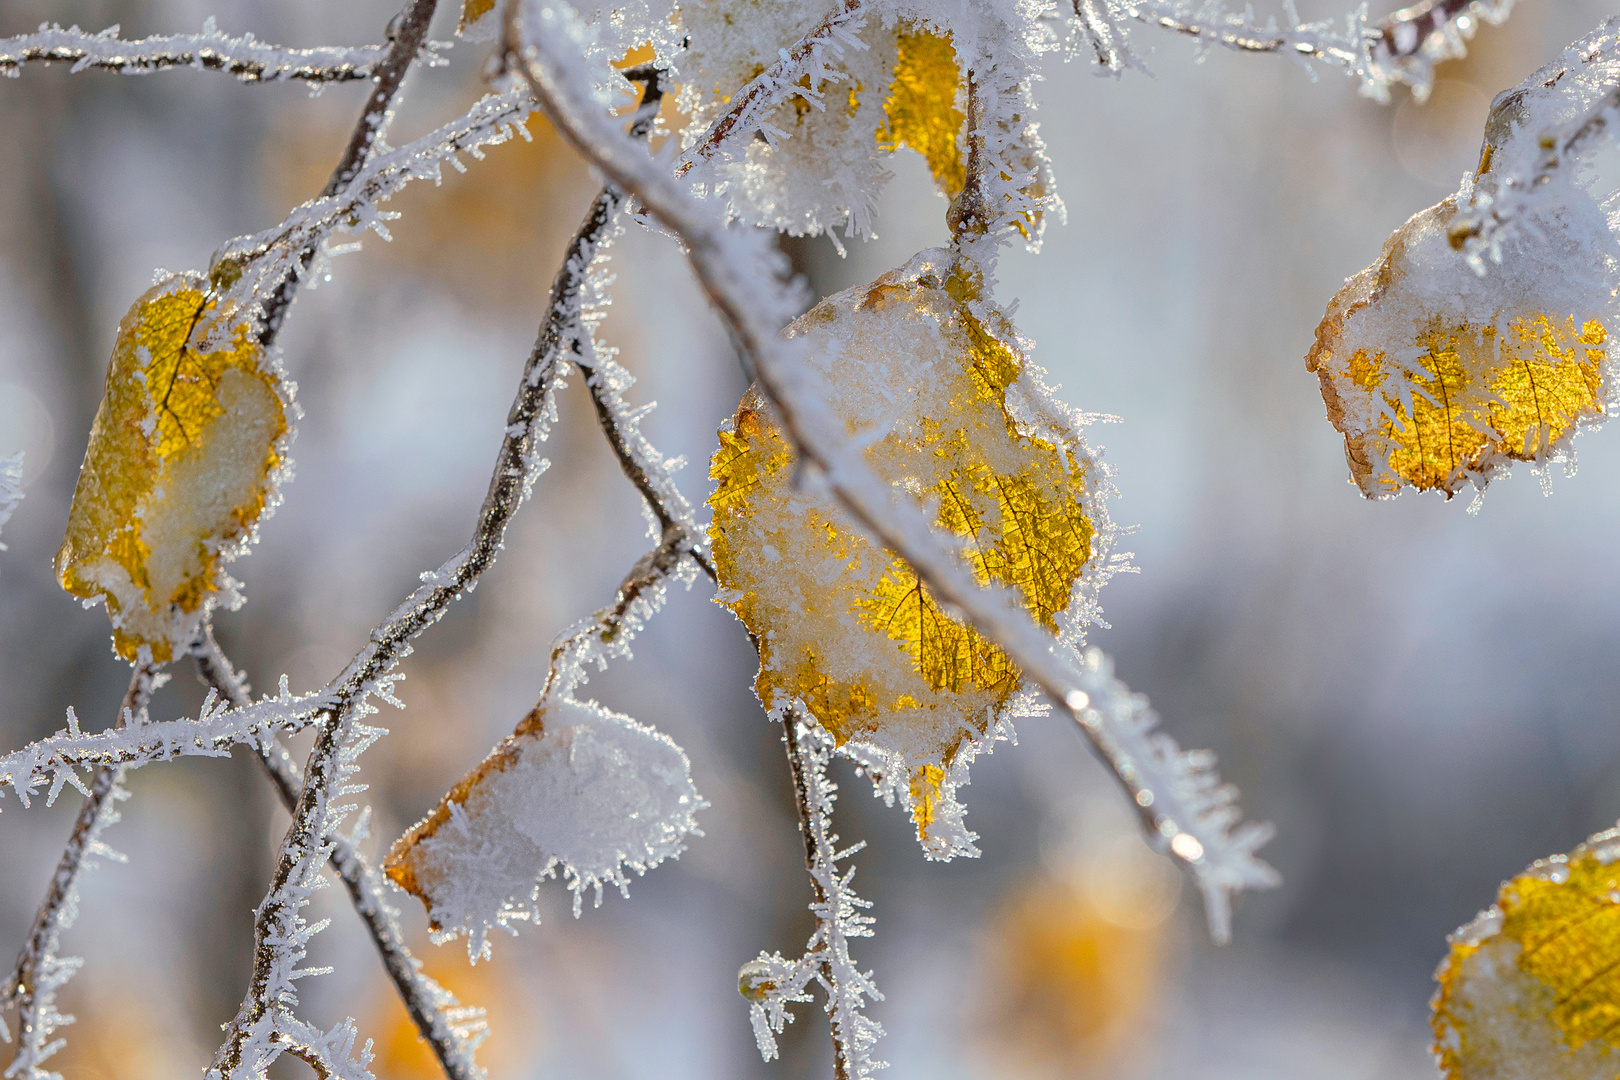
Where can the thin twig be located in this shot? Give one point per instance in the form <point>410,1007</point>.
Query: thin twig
<point>451,1029</point>
<point>244,57</point>
<point>408,33</point>
<point>808,826</point>
<point>38,971</point>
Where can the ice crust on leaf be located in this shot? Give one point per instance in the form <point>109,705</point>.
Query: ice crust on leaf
<point>576,789</point>
<point>1438,377</point>
<point>1531,988</point>
<point>894,76</point>
<point>185,457</point>
<point>938,386</point>
<point>1442,368</point>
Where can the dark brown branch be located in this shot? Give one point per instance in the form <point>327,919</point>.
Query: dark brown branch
<point>801,803</point>
<point>409,31</point>
<point>424,999</point>
<point>39,950</point>
<point>1403,33</point>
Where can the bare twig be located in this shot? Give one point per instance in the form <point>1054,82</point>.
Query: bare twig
<point>244,57</point>
<point>39,971</point>
<point>744,281</point>
<point>408,33</point>
<point>810,826</point>
<point>451,1029</point>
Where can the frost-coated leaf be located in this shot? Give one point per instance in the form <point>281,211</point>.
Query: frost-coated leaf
<point>1451,356</point>
<point>1531,988</point>
<point>184,458</point>
<point>1437,377</point>
<point>941,387</point>
<point>576,789</point>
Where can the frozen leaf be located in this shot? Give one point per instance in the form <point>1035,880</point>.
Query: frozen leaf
<point>1438,377</point>
<point>575,788</point>
<point>473,13</point>
<point>184,458</point>
<point>1479,339</point>
<point>939,387</point>
<point>1531,988</point>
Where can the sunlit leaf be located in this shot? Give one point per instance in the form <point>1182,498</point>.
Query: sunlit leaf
<point>1439,378</point>
<point>935,383</point>
<point>472,11</point>
<point>1531,988</point>
<point>921,111</point>
<point>183,457</point>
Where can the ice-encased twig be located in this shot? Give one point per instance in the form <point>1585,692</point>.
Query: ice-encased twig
<point>39,972</point>
<point>744,277</point>
<point>245,57</point>
<point>805,60</point>
<point>771,982</point>
<point>451,1029</point>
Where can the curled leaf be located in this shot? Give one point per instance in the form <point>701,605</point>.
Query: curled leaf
<point>184,458</point>
<point>1531,988</point>
<point>575,788</point>
<point>939,385</point>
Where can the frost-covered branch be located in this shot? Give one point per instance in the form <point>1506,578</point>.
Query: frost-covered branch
<point>1401,48</point>
<point>280,933</point>
<point>744,278</point>
<point>39,972</point>
<point>805,62</point>
<point>276,255</point>
<point>771,982</point>
<point>217,729</point>
<point>451,1029</point>
<point>245,57</point>
<point>407,34</point>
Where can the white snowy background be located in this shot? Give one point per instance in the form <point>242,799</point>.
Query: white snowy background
<point>1421,700</point>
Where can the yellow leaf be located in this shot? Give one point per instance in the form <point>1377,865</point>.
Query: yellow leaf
<point>182,458</point>
<point>845,626</point>
<point>1432,391</point>
<point>921,108</point>
<point>472,11</point>
<point>1532,986</point>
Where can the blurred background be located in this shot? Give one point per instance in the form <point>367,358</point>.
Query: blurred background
<point>1422,700</point>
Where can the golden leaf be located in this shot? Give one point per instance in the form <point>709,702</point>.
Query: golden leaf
<point>846,627</point>
<point>1532,987</point>
<point>472,11</point>
<point>1431,390</point>
<point>921,108</point>
<point>181,461</point>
